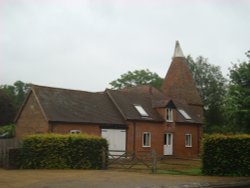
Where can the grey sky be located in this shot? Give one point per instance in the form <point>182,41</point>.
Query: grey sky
<point>87,44</point>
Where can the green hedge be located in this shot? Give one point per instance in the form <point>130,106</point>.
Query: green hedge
<point>226,155</point>
<point>63,151</point>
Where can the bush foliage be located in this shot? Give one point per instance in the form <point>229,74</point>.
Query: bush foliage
<point>7,131</point>
<point>63,151</point>
<point>226,155</point>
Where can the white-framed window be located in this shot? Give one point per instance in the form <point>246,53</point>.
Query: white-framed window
<point>188,140</point>
<point>141,110</point>
<point>169,115</point>
<point>146,139</point>
<point>75,131</point>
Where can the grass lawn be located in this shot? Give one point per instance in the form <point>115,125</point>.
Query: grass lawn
<point>190,172</point>
<point>179,167</point>
<point>166,166</point>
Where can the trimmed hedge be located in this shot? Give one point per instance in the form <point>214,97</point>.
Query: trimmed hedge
<point>63,151</point>
<point>226,155</point>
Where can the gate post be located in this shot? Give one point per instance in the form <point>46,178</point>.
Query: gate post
<point>154,161</point>
<point>104,159</point>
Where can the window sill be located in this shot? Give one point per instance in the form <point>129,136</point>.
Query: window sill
<point>170,121</point>
<point>188,146</point>
<point>146,146</point>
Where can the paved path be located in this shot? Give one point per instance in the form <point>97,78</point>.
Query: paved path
<point>109,179</point>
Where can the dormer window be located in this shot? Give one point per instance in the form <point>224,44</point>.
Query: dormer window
<point>184,114</point>
<point>141,110</point>
<point>169,115</point>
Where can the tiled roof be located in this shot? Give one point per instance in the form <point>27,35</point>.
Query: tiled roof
<point>111,107</point>
<point>116,106</point>
<point>150,99</point>
<point>179,83</point>
<point>126,99</point>
<point>61,105</point>
<point>189,110</point>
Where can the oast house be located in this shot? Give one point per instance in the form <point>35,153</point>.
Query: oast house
<point>136,119</point>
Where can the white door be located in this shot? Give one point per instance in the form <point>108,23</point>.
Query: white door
<point>168,144</point>
<point>116,139</point>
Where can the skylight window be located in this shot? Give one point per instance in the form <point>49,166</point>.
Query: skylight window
<point>184,113</point>
<point>141,110</point>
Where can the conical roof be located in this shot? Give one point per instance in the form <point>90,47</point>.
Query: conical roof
<point>179,83</point>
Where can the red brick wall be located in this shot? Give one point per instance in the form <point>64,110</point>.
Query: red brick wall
<point>84,128</point>
<point>157,131</point>
<point>31,120</point>
<point>180,150</point>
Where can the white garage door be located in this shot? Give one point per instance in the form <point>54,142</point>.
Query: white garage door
<point>116,139</point>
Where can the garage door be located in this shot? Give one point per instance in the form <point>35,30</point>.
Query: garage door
<point>116,139</point>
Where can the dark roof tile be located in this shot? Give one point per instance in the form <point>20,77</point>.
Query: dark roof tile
<point>126,99</point>
<point>74,106</point>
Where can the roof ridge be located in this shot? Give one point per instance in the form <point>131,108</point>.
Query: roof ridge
<point>58,88</point>
<point>114,102</point>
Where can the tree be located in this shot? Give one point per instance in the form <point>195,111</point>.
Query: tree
<point>7,110</point>
<point>11,98</point>
<point>238,99</point>
<point>16,92</point>
<point>137,77</point>
<point>212,88</point>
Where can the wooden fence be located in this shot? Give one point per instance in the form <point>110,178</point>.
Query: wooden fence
<point>126,160</point>
<point>5,145</point>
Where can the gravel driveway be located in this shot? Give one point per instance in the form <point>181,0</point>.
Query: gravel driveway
<point>109,179</point>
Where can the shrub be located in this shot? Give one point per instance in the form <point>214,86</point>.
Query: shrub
<point>226,155</point>
<point>7,131</point>
<point>63,151</point>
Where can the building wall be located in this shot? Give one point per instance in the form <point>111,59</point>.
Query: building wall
<point>180,150</point>
<point>134,139</point>
<point>64,128</point>
<point>31,119</point>
<point>157,131</point>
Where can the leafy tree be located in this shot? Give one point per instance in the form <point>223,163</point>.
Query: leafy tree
<point>7,110</point>
<point>137,77</point>
<point>11,98</point>
<point>16,92</point>
<point>238,99</point>
<point>212,87</point>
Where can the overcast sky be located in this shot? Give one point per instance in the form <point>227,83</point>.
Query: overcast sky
<point>81,44</point>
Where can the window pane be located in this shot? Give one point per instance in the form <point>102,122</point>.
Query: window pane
<point>184,114</point>
<point>165,139</point>
<point>146,139</point>
<point>169,139</point>
<point>188,140</point>
<point>141,110</point>
<point>169,114</point>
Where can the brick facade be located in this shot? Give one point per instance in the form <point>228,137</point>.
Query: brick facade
<point>64,128</point>
<point>31,120</point>
<point>158,131</point>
